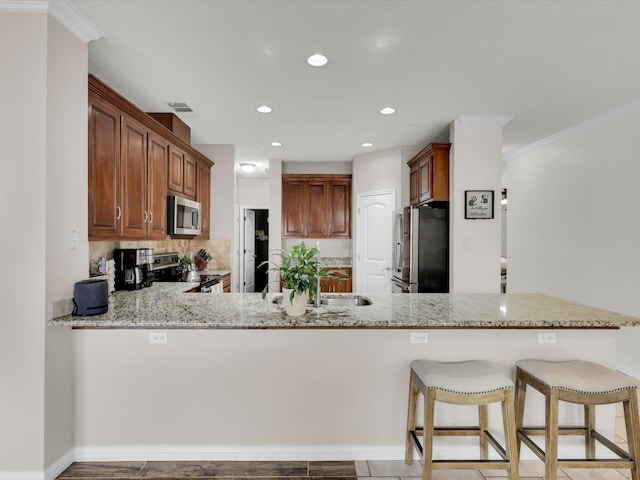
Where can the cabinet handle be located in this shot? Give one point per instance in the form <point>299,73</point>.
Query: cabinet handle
<point>150,218</point>
<point>118,212</point>
<point>145,217</point>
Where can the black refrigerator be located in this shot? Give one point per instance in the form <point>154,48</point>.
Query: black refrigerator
<point>421,249</point>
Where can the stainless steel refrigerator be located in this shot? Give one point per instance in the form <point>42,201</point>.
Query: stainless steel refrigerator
<point>421,249</point>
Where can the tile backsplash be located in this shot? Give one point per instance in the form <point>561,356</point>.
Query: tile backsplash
<point>220,249</point>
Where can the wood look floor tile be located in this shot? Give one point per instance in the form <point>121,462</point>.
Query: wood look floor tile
<point>95,470</point>
<point>332,469</point>
<point>223,469</point>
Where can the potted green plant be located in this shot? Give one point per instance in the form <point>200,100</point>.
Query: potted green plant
<point>300,271</point>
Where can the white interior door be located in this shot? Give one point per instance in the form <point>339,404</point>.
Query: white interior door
<point>249,250</point>
<point>375,230</point>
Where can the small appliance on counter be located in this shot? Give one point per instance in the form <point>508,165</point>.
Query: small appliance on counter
<point>133,266</point>
<point>90,297</point>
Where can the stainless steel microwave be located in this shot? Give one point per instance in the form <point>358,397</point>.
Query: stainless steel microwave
<point>184,216</point>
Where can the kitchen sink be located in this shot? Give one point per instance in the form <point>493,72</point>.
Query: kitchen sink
<point>345,301</point>
<point>336,301</point>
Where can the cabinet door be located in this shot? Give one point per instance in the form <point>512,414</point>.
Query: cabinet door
<point>157,187</point>
<point>189,176</point>
<point>294,193</point>
<point>203,195</point>
<point>414,195</point>
<point>425,177</point>
<point>344,285</point>
<point>317,209</point>
<point>133,178</point>
<point>339,209</point>
<point>104,169</point>
<point>176,170</point>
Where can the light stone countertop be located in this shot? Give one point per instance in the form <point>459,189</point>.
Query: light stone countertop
<point>164,305</point>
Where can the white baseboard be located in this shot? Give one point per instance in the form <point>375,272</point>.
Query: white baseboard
<point>279,453</point>
<point>50,473</point>
<point>59,466</point>
<point>211,453</point>
<point>628,371</point>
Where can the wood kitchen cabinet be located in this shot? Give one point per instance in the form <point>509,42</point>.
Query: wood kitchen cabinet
<point>133,178</point>
<point>316,206</point>
<point>181,173</point>
<point>104,169</point>
<point>158,156</point>
<point>226,283</point>
<point>429,174</point>
<point>203,196</point>
<point>130,169</point>
<point>344,285</point>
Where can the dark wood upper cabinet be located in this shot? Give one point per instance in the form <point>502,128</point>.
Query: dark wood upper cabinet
<point>134,162</point>
<point>429,174</point>
<point>316,206</point>
<point>133,178</point>
<point>158,155</point>
<point>203,195</point>
<point>294,193</point>
<point>104,169</point>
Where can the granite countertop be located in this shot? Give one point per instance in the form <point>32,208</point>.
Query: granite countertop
<point>165,305</point>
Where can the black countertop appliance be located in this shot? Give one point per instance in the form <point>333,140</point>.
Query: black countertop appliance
<point>90,297</point>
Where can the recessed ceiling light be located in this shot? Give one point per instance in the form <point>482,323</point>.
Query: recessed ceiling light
<point>247,167</point>
<point>388,111</point>
<point>367,144</point>
<point>264,109</point>
<point>276,144</point>
<point>317,60</point>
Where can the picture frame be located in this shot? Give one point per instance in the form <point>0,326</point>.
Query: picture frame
<point>479,204</point>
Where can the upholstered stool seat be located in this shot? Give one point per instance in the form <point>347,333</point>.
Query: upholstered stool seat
<point>465,383</point>
<point>584,383</point>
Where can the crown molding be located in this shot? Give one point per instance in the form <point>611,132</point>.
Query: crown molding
<point>484,120</point>
<point>62,10</point>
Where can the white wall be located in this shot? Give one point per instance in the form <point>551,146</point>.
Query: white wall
<point>66,211</point>
<point>382,170</point>
<point>573,220</point>
<point>23,180</point>
<point>253,192</point>
<point>223,189</point>
<point>45,169</point>
<point>475,245</point>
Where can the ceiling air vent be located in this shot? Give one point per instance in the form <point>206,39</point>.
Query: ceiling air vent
<point>180,107</point>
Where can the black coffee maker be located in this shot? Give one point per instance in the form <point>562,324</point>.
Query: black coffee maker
<point>132,268</point>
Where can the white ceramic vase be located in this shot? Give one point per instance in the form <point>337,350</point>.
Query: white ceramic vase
<point>296,307</point>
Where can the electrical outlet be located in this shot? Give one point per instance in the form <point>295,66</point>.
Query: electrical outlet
<point>546,337</point>
<point>419,337</point>
<point>158,337</point>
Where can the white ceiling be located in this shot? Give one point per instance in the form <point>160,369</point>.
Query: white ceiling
<point>549,64</point>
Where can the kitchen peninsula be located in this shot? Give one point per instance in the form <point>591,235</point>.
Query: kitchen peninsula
<point>237,379</point>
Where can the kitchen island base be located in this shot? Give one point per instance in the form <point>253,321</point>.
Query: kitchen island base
<point>312,394</point>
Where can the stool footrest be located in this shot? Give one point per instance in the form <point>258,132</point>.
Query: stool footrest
<point>577,430</point>
<point>460,432</point>
<point>523,434</point>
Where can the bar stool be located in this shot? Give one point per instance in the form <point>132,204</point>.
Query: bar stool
<point>463,383</point>
<point>584,383</point>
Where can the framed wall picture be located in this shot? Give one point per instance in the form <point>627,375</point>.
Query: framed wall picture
<point>478,204</point>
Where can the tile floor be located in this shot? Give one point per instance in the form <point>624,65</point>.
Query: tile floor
<point>296,470</point>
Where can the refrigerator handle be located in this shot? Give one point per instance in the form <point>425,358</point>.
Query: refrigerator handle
<point>399,256</point>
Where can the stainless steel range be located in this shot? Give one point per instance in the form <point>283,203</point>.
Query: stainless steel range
<point>166,268</point>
